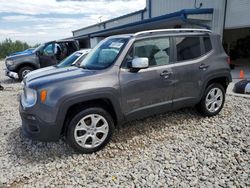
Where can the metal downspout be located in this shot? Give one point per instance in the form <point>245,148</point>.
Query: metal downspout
<point>150,8</point>
<point>225,14</point>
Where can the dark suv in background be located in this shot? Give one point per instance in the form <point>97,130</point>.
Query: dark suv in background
<point>47,54</point>
<point>123,78</point>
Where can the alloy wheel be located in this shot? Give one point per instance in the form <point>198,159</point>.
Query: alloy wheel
<point>25,72</point>
<point>91,131</point>
<point>214,100</point>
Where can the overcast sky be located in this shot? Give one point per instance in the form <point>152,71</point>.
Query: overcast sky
<point>36,21</point>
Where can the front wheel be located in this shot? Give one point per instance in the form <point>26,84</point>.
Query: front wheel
<point>24,71</point>
<point>213,100</point>
<point>90,130</point>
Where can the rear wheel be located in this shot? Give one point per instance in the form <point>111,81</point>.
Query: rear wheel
<point>24,71</point>
<point>90,130</point>
<point>213,100</point>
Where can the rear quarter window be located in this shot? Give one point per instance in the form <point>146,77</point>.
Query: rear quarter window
<point>207,44</point>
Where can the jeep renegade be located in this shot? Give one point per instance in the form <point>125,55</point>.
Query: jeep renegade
<point>123,78</point>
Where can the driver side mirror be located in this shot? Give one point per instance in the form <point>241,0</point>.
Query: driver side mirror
<point>139,63</point>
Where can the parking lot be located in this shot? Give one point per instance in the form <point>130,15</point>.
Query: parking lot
<point>175,149</point>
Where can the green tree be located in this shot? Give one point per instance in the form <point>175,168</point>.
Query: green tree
<point>8,46</point>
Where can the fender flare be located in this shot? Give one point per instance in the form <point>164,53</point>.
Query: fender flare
<point>80,98</point>
<point>223,74</point>
<point>26,63</point>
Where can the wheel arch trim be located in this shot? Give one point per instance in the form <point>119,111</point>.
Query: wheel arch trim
<point>74,100</point>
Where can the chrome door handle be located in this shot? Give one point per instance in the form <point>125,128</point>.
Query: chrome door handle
<point>203,66</point>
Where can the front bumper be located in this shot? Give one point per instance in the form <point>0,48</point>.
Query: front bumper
<point>35,128</point>
<point>11,74</point>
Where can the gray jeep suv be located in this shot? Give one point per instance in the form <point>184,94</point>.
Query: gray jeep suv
<point>123,78</point>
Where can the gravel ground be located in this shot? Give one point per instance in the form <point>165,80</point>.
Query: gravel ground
<point>176,149</point>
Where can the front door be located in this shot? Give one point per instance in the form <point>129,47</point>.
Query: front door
<point>47,56</point>
<point>148,91</point>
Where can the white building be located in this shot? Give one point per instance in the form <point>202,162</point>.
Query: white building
<point>229,18</point>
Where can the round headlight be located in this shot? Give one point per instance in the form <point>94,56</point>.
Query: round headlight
<point>29,97</point>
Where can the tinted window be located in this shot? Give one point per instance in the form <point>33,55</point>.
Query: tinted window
<point>188,48</point>
<point>207,44</point>
<point>156,50</point>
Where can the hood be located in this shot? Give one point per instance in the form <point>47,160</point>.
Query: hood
<point>51,75</point>
<point>38,71</point>
<point>19,56</point>
<point>22,52</point>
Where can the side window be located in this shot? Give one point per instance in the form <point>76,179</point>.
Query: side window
<point>48,50</point>
<point>188,48</point>
<point>157,50</point>
<point>207,44</point>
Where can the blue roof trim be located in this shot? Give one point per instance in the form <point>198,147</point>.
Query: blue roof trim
<point>198,11</point>
<point>180,15</point>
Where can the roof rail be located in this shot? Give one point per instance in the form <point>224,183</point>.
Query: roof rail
<point>173,30</point>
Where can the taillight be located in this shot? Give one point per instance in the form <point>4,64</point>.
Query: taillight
<point>229,61</point>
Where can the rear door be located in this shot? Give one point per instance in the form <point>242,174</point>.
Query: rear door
<point>188,69</point>
<point>148,91</point>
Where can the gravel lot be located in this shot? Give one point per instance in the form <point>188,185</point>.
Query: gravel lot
<point>176,149</point>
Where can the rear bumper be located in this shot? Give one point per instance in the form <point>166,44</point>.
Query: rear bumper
<point>36,129</point>
<point>11,74</point>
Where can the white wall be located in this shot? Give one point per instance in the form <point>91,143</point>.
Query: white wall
<point>94,41</point>
<point>238,14</point>
<point>160,7</point>
<point>87,30</point>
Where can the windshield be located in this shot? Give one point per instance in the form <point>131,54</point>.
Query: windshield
<point>68,61</point>
<point>104,54</point>
<point>39,48</point>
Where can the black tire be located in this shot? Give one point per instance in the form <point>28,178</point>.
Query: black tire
<point>70,138</point>
<point>202,108</point>
<point>22,70</point>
